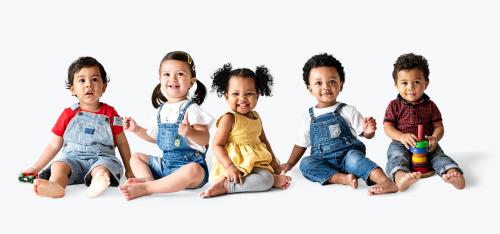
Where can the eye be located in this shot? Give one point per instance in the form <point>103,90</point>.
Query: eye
<point>81,80</point>
<point>166,74</point>
<point>332,82</point>
<point>95,79</point>
<point>404,83</point>
<point>235,94</point>
<point>417,82</point>
<point>317,83</point>
<point>181,74</point>
<point>250,94</point>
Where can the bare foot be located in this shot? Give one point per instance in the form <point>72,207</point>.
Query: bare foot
<point>219,188</point>
<point>345,179</point>
<point>385,187</point>
<point>404,181</point>
<point>138,180</point>
<point>100,183</point>
<point>281,181</point>
<point>454,177</point>
<point>46,188</point>
<point>132,191</point>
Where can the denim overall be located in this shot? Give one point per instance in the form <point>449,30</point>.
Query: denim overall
<point>176,151</point>
<point>334,149</point>
<point>88,143</point>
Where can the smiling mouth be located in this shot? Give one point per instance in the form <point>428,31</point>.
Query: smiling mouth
<point>244,105</point>
<point>89,93</point>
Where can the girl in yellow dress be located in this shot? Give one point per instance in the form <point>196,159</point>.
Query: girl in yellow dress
<point>244,160</point>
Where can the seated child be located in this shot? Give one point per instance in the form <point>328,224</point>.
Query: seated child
<point>411,108</point>
<point>87,134</point>
<point>331,129</point>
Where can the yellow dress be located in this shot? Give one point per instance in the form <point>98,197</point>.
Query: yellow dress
<point>244,147</point>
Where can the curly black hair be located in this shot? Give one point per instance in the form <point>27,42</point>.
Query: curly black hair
<point>261,76</point>
<point>83,62</point>
<point>322,60</point>
<point>408,62</point>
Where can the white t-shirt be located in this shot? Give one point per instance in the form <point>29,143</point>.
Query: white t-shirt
<point>169,114</point>
<point>353,118</point>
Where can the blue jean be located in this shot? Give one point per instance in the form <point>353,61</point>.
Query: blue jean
<point>399,159</point>
<point>161,167</point>
<point>82,164</point>
<point>321,169</point>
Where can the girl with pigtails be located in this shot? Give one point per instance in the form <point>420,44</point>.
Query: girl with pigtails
<point>179,128</point>
<point>243,158</point>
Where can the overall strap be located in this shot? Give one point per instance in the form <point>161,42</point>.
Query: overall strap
<point>339,108</point>
<point>159,111</point>
<point>185,106</point>
<point>311,114</point>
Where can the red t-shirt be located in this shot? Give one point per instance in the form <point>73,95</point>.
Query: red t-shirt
<point>68,114</point>
<point>406,116</point>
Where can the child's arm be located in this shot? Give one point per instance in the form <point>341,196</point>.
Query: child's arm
<point>48,154</point>
<point>197,133</point>
<point>219,146</point>
<point>124,148</point>
<point>407,139</point>
<point>437,134</point>
<point>130,125</point>
<point>295,156</point>
<point>274,163</point>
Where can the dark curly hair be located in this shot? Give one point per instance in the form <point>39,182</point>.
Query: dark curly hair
<point>263,80</point>
<point>322,60</point>
<point>83,62</point>
<point>408,62</point>
<point>157,98</point>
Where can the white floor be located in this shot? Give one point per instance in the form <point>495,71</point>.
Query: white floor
<point>460,40</point>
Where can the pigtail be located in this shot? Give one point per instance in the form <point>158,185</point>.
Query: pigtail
<point>200,93</point>
<point>157,98</point>
<point>264,80</point>
<point>220,79</point>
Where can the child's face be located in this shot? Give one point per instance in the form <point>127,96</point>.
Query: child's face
<point>241,94</point>
<point>411,84</point>
<point>88,87</point>
<point>175,80</point>
<point>324,85</point>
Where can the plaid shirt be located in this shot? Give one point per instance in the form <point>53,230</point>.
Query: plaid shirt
<point>406,116</point>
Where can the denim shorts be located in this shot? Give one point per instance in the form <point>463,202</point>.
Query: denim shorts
<point>166,165</point>
<point>82,164</point>
<point>399,159</point>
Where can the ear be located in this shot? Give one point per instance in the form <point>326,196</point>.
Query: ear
<point>104,88</point>
<point>309,88</point>
<point>426,84</point>
<point>341,86</point>
<point>72,90</point>
<point>192,81</point>
<point>225,95</point>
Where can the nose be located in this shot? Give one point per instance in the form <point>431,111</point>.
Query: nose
<point>89,84</point>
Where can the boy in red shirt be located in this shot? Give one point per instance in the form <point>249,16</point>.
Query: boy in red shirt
<point>87,133</point>
<point>411,108</point>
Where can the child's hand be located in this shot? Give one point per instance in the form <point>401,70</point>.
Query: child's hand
<point>408,139</point>
<point>234,175</point>
<point>31,170</point>
<point>277,168</point>
<point>369,125</point>
<point>185,127</point>
<point>432,142</point>
<point>285,167</point>
<point>129,124</point>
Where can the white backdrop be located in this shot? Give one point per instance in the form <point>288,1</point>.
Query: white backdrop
<point>39,39</point>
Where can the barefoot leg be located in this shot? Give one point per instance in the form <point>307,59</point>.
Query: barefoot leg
<point>405,179</point>
<point>454,177</point>
<point>219,188</point>
<point>345,179</point>
<point>100,181</point>
<point>382,183</point>
<point>281,181</point>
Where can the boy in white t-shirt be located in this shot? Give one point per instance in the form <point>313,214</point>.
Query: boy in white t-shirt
<point>331,129</point>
